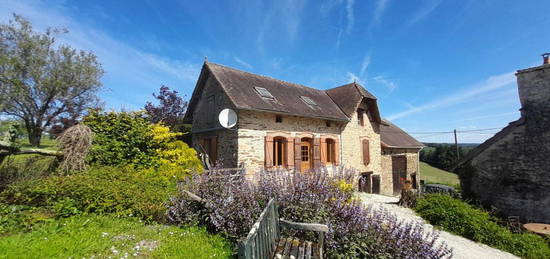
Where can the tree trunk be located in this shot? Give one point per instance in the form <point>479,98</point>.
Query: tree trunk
<point>35,135</point>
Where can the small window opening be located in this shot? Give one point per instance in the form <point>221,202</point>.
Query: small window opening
<point>328,123</point>
<point>278,118</point>
<point>360,113</point>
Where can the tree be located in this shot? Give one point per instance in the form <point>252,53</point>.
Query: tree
<point>170,110</point>
<point>41,80</point>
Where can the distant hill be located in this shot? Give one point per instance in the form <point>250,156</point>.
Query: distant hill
<point>443,155</point>
<point>431,144</point>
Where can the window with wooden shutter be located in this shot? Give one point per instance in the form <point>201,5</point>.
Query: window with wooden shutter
<point>280,152</point>
<point>330,151</point>
<point>366,152</point>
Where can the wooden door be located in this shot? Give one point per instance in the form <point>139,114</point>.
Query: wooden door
<point>306,153</point>
<point>399,173</point>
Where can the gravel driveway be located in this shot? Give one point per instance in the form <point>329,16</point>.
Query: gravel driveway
<point>462,247</point>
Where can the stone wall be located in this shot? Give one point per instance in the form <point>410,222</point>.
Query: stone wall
<point>513,172</point>
<point>387,166</point>
<point>206,124</point>
<point>254,126</point>
<point>352,148</point>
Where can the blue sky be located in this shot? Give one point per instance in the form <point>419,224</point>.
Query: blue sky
<point>434,65</point>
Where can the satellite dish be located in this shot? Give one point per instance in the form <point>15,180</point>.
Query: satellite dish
<point>228,118</point>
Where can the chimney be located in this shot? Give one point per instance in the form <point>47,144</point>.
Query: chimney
<point>546,58</point>
<point>534,89</point>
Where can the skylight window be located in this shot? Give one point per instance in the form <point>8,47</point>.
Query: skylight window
<point>308,100</point>
<point>264,92</point>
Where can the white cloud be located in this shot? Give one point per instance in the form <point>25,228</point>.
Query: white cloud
<point>423,12</point>
<point>365,65</point>
<point>489,116</point>
<point>327,6</point>
<point>350,16</point>
<point>242,62</point>
<point>339,38</point>
<point>491,84</point>
<point>390,85</point>
<point>285,15</point>
<point>379,10</point>
<point>354,78</point>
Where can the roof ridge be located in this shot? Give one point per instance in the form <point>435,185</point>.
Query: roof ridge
<point>264,76</point>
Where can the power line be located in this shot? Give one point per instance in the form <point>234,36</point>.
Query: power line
<point>458,131</point>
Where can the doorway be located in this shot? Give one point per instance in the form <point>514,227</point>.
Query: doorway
<point>365,182</point>
<point>306,153</point>
<point>399,173</point>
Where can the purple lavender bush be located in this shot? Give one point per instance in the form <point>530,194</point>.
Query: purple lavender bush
<point>233,205</point>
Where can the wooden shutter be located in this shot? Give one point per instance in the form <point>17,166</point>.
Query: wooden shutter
<point>290,152</point>
<point>297,153</point>
<point>366,152</point>
<point>336,152</point>
<point>316,153</point>
<point>324,151</point>
<point>268,151</point>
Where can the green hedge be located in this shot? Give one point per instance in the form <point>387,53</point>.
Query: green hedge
<point>461,218</point>
<point>120,191</point>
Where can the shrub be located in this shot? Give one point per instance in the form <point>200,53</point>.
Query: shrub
<point>355,232</point>
<point>121,191</point>
<point>463,219</point>
<point>18,218</point>
<point>127,138</point>
<point>120,138</point>
<point>23,167</point>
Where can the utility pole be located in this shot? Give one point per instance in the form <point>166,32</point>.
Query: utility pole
<point>456,146</point>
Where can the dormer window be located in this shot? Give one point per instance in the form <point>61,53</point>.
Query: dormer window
<point>264,93</point>
<point>308,101</point>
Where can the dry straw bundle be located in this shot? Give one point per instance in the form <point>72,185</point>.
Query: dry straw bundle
<point>75,144</point>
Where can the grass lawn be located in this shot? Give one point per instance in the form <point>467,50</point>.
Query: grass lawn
<point>431,174</point>
<point>96,236</point>
<point>46,143</point>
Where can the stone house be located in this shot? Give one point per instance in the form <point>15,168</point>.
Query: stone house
<point>286,125</point>
<point>511,170</point>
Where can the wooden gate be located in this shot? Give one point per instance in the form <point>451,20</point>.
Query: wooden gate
<point>399,173</point>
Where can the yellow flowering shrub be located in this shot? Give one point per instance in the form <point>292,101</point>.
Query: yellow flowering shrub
<point>174,157</point>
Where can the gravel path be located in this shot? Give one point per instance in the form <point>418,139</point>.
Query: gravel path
<point>462,248</point>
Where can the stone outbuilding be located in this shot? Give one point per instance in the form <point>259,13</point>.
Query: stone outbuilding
<point>286,125</point>
<point>511,170</point>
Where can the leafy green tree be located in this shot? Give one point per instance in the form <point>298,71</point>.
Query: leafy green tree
<point>41,80</point>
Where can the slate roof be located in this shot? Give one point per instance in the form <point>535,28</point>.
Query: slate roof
<point>333,104</point>
<point>239,86</point>
<point>393,136</point>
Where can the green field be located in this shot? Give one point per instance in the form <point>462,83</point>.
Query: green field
<point>94,236</point>
<point>431,174</point>
<point>46,143</point>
